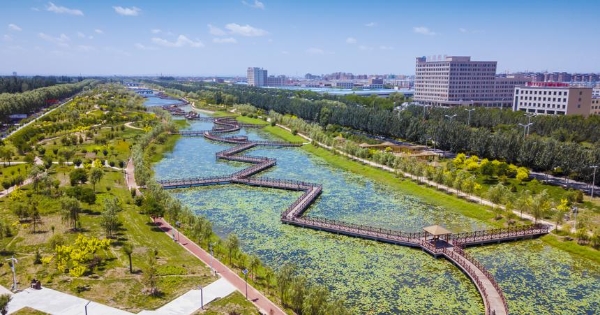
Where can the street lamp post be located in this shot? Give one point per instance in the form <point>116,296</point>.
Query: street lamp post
<point>85,307</point>
<point>201,297</point>
<point>593,179</point>
<point>212,256</point>
<point>525,128</point>
<point>13,267</point>
<point>245,271</point>
<point>469,121</point>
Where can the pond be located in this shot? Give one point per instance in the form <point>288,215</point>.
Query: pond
<point>373,278</point>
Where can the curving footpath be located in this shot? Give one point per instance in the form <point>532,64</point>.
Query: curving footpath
<point>450,246</point>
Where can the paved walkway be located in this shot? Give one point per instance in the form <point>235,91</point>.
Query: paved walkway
<point>263,303</point>
<point>55,302</point>
<point>191,301</point>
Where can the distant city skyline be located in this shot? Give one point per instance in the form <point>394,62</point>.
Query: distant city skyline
<point>224,38</point>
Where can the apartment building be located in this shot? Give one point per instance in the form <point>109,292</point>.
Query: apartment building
<point>257,76</point>
<point>595,108</point>
<point>457,80</point>
<point>553,98</point>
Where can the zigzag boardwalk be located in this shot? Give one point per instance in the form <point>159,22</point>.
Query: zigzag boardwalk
<point>451,248</point>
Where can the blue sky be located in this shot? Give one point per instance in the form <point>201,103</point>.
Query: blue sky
<point>224,37</point>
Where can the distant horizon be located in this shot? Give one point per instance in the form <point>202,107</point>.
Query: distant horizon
<point>209,38</point>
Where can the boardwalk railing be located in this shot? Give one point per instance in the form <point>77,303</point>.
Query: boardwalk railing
<point>187,182</point>
<point>485,236</point>
<point>457,253</point>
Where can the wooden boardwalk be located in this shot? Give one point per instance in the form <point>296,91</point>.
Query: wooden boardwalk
<point>452,249</point>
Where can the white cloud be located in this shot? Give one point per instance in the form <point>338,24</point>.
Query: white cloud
<point>351,40</point>
<point>133,11</point>
<point>35,9</point>
<point>315,51</point>
<point>180,42</point>
<point>14,27</point>
<point>228,40</point>
<point>370,24</point>
<point>99,31</point>
<point>155,31</point>
<point>213,30</point>
<point>423,30</point>
<point>383,47</point>
<point>245,30</point>
<point>257,4</point>
<point>143,47</point>
<point>462,30</point>
<point>80,35</point>
<point>363,47</point>
<point>57,40</point>
<point>7,38</point>
<point>57,9</point>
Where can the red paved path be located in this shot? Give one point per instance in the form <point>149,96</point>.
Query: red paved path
<point>263,303</point>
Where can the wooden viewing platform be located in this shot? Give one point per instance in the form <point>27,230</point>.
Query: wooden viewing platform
<point>434,240</point>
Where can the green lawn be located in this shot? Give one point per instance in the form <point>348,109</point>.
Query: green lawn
<point>234,302</point>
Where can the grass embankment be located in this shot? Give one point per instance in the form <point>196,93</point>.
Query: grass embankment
<point>572,247</point>
<point>427,194</point>
<point>234,303</point>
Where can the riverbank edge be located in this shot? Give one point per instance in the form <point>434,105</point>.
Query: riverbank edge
<point>411,187</point>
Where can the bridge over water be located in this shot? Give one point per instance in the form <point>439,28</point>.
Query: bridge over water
<point>434,240</point>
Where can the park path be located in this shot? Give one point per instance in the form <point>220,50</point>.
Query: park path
<point>259,300</point>
<point>426,181</point>
<point>262,302</point>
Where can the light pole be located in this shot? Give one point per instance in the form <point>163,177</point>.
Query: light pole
<point>469,121</point>
<point>525,128</point>
<point>245,271</point>
<point>85,307</point>
<point>593,179</point>
<point>13,261</point>
<point>201,297</point>
<point>177,225</point>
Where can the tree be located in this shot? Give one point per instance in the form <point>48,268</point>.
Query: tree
<point>561,210</point>
<point>522,174</point>
<point>71,208</point>
<point>487,168</point>
<point>540,205</point>
<point>152,207</point>
<point>254,264</point>
<point>496,194</point>
<point>96,175</point>
<point>233,245</point>
<point>78,176</point>
<point>316,301</point>
<point>284,278</point>
<point>150,273</point>
<point>4,300</point>
<point>34,213</point>
<point>35,173</point>
<point>128,250</point>
<point>298,291</point>
<point>110,221</point>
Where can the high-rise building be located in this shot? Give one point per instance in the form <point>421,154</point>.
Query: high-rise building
<point>456,80</point>
<point>553,98</point>
<point>257,76</point>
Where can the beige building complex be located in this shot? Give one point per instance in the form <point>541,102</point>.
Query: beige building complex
<point>456,80</point>
<point>553,98</point>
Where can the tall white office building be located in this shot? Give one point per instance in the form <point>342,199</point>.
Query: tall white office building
<point>257,76</point>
